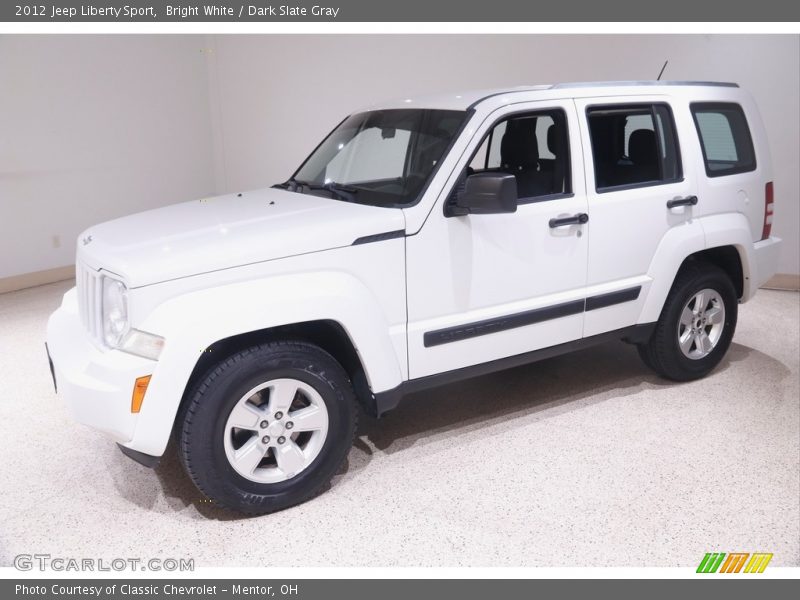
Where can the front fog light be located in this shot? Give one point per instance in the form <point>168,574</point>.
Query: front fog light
<point>115,311</point>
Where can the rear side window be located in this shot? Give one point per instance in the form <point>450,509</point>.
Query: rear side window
<point>725,138</point>
<point>633,146</point>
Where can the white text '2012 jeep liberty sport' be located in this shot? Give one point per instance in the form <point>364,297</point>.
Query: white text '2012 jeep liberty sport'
<point>423,241</point>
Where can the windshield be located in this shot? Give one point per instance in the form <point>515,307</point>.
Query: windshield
<point>383,157</point>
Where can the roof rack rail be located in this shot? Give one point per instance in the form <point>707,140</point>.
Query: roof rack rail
<point>580,84</point>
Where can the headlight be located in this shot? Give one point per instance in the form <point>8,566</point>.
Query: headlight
<point>117,332</point>
<point>115,311</point>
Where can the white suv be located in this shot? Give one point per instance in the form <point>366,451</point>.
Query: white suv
<point>423,241</point>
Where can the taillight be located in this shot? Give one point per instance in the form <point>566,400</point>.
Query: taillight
<point>769,199</point>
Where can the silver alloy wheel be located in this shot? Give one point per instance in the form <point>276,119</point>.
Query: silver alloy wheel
<point>701,324</point>
<point>276,430</point>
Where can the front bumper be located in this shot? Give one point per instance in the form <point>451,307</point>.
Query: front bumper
<point>96,384</point>
<point>143,459</point>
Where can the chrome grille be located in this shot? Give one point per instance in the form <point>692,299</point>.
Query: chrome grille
<point>90,290</point>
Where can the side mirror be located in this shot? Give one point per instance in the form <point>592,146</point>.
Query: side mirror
<point>486,194</point>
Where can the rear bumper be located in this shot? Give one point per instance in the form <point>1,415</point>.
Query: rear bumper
<point>96,384</point>
<point>765,261</point>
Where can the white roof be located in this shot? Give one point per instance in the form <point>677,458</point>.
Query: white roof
<point>464,100</point>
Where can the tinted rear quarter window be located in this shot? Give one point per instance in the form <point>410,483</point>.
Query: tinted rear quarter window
<point>724,138</point>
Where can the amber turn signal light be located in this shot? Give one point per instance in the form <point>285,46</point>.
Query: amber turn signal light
<point>139,389</point>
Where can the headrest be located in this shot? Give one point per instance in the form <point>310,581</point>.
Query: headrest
<point>518,148</point>
<point>642,149</point>
<point>552,140</point>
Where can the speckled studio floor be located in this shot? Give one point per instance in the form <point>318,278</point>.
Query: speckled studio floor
<point>582,460</point>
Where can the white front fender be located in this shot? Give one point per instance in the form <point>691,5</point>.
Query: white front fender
<point>192,322</point>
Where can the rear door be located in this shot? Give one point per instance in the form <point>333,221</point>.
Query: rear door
<point>632,154</point>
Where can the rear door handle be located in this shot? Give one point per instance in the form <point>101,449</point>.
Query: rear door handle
<point>578,219</point>
<point>688,201</point>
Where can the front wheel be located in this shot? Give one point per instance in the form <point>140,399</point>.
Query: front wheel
<point>268,427</point>
<point>696,325</point>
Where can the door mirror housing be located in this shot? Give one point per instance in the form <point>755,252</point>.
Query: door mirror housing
<point>485,194</point>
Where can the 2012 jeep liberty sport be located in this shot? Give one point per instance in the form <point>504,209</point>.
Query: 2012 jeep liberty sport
<point>423,241</point>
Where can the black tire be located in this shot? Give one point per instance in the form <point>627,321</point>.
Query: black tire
<point>203,419</point>
<point>662,352</point>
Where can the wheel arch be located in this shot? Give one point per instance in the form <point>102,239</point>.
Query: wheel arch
<point>722,240</point>
<point>331,309</point>
<point>728,258</point>
<point>327,334</point>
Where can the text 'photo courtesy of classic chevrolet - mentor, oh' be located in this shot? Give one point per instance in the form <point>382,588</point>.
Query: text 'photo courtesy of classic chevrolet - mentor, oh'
<point>424,241</point>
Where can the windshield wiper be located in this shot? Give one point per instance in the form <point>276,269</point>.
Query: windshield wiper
<point>342,192</point>
<point>290,184</point>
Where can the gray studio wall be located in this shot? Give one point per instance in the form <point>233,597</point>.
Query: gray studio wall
<point>274,97</point>
<point>92,128</point>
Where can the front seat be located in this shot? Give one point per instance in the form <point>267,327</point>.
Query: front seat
<point>519,156</point>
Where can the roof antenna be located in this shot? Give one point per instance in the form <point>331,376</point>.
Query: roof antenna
<point>662,70</point>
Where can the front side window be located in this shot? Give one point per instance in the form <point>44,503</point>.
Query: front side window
<point>383,158</point>
<point>633,146</point>
<point>531,146</point>
<point>725,138</point>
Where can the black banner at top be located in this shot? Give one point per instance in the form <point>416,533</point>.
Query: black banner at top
<point>149,11</point>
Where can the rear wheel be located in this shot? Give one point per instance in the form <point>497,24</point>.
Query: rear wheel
<point>696,325</point>
<point>268,427</point>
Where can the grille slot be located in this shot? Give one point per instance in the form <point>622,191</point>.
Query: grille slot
<point>89,291</point>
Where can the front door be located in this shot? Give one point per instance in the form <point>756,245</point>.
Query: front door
<point>486,287</point>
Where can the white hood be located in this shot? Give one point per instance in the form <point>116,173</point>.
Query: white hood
<point>227,231</point>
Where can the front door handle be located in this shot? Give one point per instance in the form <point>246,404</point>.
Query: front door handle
<point>579,219</point>
<point>688,201</point>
